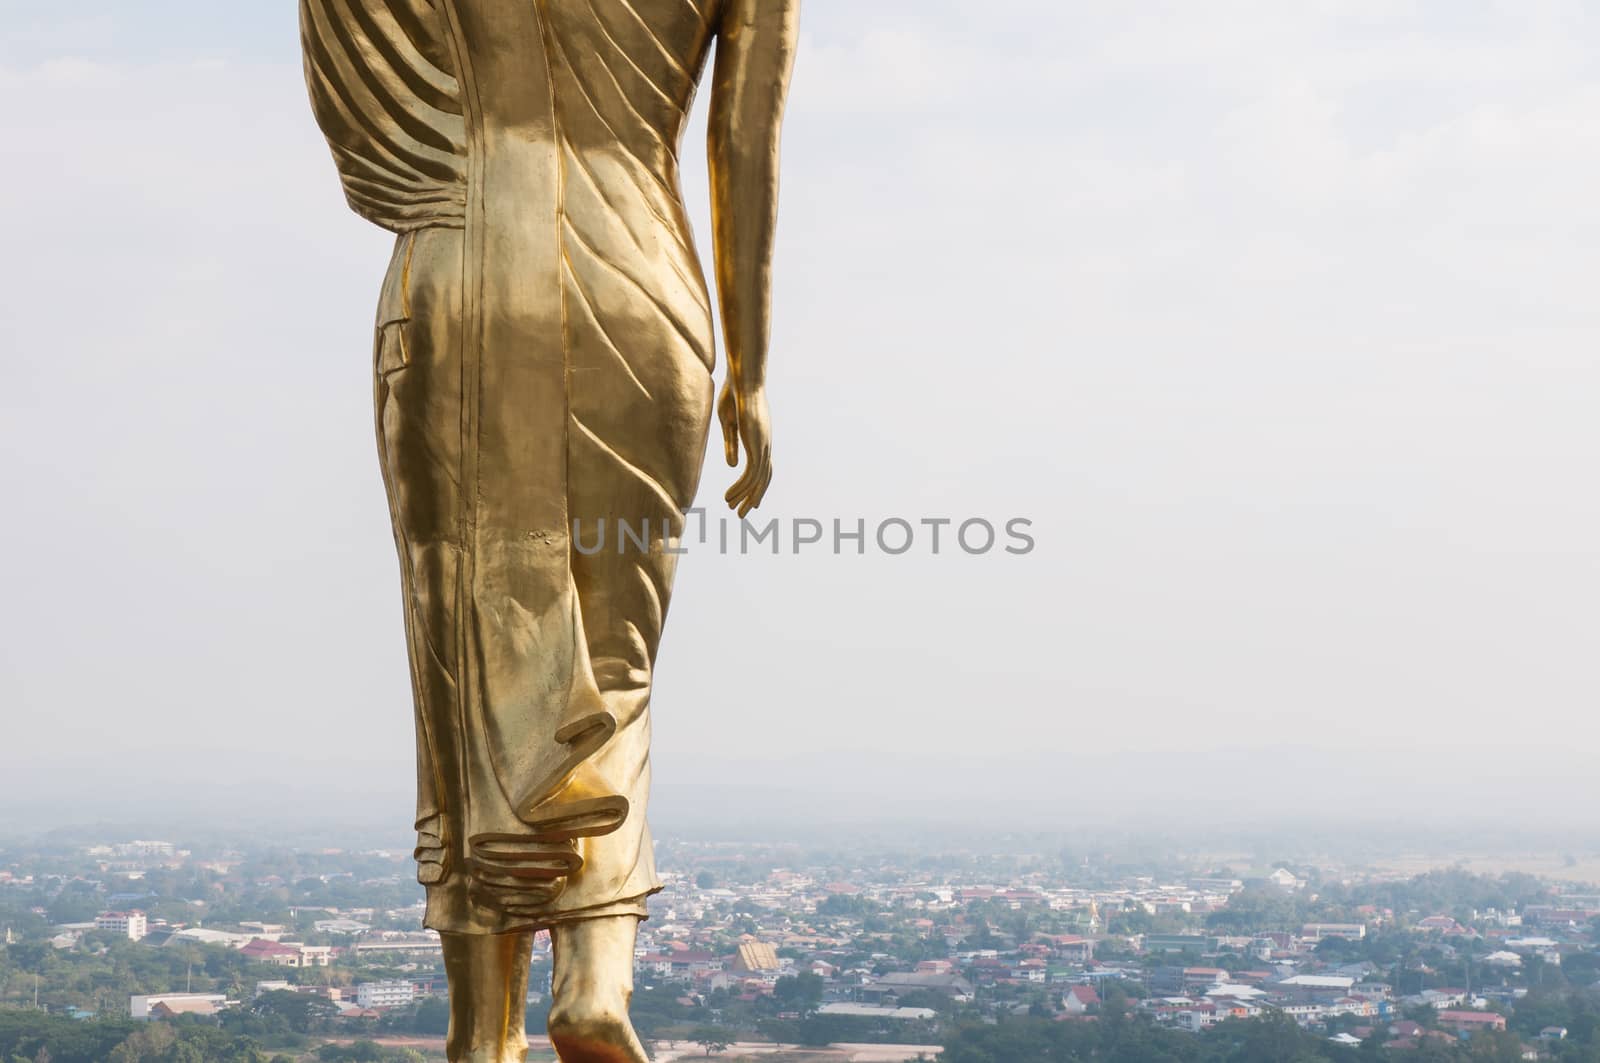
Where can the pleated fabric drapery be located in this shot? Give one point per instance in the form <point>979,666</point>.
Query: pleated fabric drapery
<point>384,90</point>
<point>545,349</point>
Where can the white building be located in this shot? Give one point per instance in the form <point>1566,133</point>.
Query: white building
<point>341,926</point>
<point>1546,949</point>
<point>201,936</point>
<point>1319,983</point>
<point>385,994</point>
<point>875,1011</point>
<point>131,925</point>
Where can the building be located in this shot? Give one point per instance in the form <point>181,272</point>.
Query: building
<point>131,925</point>
<point>385,994</point>
<point>341,926</point>
<point>1200,979</point>
<point>1311,985</point>
<point>412,945</point>
<point>270,931</point>
<point>874,1011</point>
<point>1080,1000</point>
<point>1547,949</point>
<point>1197,943</point>
<point>1470,1021</point>
<point>197,935</point>
<point>687,963</point>
<point>756,956</point>
<point>898,983</point>
<point>166,1005</point>
<point>287,953</point>
<point>1071,948</point>
<point>1551,915</point>
<point>1357,1006</point>
<point>1348,931</point>
<point>263,951</point>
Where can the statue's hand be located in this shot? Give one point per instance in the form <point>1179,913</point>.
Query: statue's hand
<point>745,418</point>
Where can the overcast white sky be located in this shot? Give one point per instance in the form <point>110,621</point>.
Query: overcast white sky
<point>1279,320</point>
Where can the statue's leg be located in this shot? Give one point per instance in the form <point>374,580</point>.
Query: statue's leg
<point>591,989</point>
<point>488,996</point>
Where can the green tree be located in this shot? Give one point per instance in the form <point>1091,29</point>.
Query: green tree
<point>799,992</point>
<point>301,1012</point>
<point>432,1016</point>
<point>711,1038</point>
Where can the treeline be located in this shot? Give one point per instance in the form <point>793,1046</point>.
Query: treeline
<point>1577,1012</point>
<point>1128,1039</point>
<point>105,970</point>
<point>38,1037</point>
<point>1121,1036</point>
<point>1453,892</point>
<point>1274,1038</point>
<point>272,1027</point>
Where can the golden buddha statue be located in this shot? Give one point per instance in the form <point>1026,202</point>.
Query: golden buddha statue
<point>544,356</point>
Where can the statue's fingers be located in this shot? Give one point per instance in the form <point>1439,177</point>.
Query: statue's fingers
<point>740,486</point>
<point>760,493</point>
<point>747,481</point>
<point>759,462</point>
<point>761,476</point>
<point>748,504</point>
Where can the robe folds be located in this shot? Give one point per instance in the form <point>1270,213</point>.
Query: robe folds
<point>543,362</point>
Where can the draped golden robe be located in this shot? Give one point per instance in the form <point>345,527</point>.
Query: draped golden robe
<point>543,359</point>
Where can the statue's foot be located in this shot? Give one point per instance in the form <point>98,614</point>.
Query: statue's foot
<point>591,988</point>
<point>512,1048</point>
<point>589,1032</point>
<point>506,1054</point>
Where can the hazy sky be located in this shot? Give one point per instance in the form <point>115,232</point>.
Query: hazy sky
<point>1278,320</point>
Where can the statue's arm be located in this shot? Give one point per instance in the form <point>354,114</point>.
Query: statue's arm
<point>756,42</point>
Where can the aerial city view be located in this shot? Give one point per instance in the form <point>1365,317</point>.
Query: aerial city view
<point>122,949</point>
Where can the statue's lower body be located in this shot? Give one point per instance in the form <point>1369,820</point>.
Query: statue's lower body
<point>590,991</point>
<point>532,654</point>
